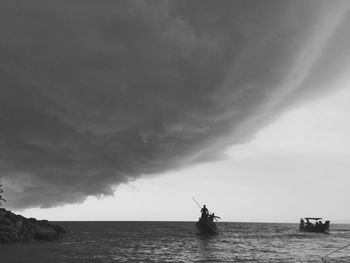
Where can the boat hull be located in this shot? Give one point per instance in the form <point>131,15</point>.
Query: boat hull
<point>324,228</point>
<point>206,227</point>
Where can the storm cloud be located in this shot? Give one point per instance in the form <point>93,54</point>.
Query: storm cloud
<point>95,94</point>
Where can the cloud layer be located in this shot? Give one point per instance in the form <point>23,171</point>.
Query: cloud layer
<point>94,95</point>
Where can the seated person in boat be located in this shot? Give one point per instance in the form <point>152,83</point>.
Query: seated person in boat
<point>212,217</point>
<point>309,224</point>
<point>318,225</point>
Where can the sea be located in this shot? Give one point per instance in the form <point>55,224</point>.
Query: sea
<point>104,242</point>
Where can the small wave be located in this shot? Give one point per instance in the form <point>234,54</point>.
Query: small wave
<point>336,259</point>
<point>341,230</point>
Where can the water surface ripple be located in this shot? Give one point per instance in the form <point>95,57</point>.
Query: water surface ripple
<point>104,242</point>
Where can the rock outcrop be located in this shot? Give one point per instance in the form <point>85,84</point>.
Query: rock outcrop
<point>16,228</point>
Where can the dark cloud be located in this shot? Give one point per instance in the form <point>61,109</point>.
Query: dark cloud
<point>96,94</point>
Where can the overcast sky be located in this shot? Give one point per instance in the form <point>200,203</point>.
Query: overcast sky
<point>143,104</point>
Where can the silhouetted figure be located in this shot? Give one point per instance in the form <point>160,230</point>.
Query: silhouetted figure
<point>212,217</point>
<point>309,225</point>
<point>320,225</point>
<point>302,224</point>
<point>204,212</point>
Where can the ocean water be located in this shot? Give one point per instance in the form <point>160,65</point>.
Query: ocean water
<point>104,242</point>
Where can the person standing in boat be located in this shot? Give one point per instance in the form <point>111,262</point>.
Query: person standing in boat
<point>204,212</point>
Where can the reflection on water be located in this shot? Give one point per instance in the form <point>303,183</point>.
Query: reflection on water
<point>178,242</point>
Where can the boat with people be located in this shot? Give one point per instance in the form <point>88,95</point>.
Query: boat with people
<point>315,226</point>
<point>206,224</point>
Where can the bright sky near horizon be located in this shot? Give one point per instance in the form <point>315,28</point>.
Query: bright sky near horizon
<point>124,110</point>
<point>295,167</point>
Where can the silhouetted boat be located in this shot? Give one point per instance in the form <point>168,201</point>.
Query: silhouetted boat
<point>206,224</point>
<point>318,227</point>
<point>206,227</point>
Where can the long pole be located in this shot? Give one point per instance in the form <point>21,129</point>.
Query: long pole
<point>196,202</point>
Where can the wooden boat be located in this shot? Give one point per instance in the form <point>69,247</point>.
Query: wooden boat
<point>317,225</point>
<point>206,224</point>
<point>206,227</point>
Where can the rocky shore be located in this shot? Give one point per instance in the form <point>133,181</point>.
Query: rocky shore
<point>16,228</point>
